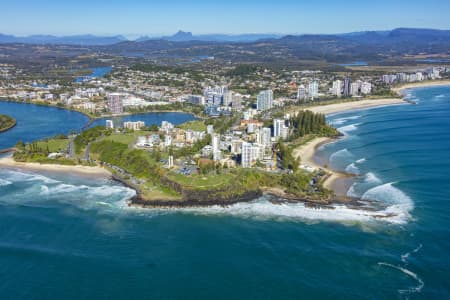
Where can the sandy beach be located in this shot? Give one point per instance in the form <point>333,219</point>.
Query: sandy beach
<point>354,105</point>
<point>80,170</point>
<point>399,89</point>
<point>308,150</point>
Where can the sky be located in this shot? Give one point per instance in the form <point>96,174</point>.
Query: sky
<point>157,17</point>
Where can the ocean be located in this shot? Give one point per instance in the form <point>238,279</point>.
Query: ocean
<point>69,237</point>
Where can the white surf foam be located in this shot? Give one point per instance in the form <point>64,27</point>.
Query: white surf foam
<point>360,161</point>
<point>4,182</point>
<point>352,169</point>
<point>358,188</point>
<point>352,191</point>
<point>16,176</point>
<point>341,121</point>
<point>372,178</point>
<point>262,209</point>
<point>387,193</point>
<point>348,128</point>
<point>66,188</point>
<point>415,289</point>
<point>44,190</point>
<point>399,203</point>
<point>406,256</point>
<point>343,153</point>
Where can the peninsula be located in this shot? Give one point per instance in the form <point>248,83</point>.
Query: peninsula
<point>6,123</point>
<point>256,131</point>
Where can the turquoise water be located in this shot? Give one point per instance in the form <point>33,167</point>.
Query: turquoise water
<point>35,122</point>
<point>355,64</point>
<point>96,73</point>
<point>65,237</point>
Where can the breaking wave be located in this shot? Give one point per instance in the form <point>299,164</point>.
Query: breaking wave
<point>4,182</point>
<point>263,209</point>
<point>352,169</point>
<point>348,128</point>
<point>37,188</point>
<point>415,289</point>
<point>341,121</point>
<point>372,178</point>
<point>360,161</point>
<point>340,154</point>
<point>17,176</point>
<point>106,196</point>
<point>406,256</point>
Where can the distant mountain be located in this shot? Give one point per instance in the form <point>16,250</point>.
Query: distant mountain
<point>88,40</point>
<point>366,45</point>
<point>336,48</point>
<point>182,36</point>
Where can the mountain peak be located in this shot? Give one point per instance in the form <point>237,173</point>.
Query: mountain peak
<point>181,36</point>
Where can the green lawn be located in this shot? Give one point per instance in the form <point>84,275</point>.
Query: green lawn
<point>156,192</point>
<point>54,145</point>
<point>197,125</point>
<point>126,138</point>
<point>203,181</point>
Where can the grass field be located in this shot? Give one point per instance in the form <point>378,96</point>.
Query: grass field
<point>126,138</point>
<point>197,125</point>
<point>203,181</point>
<point>54,145</point>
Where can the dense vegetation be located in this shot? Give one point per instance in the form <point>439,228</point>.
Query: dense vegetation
<point>38,151</point>
<point>185,107</point>
<point>306,122</point>
<point>288,161</point>
<point>90,135</point>
<point>152,68</point>
<point>222,124</point>
<point>137,162</point>
<point>193,149</point>
<point>243,70</point>
<point>6,122</point>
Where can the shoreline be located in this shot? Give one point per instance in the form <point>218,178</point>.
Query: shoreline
<point>93,118</point>
<point>9,162</point>
<point>307,153</point>
<point>335,108</point>
<point>335,179</point>
<point>424,84</point>
<point>9,127</point>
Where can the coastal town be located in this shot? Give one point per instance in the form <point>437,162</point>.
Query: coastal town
<point>203,150</point>
<point>248,89</point>
<point>248,125</point>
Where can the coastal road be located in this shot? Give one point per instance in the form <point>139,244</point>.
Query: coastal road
<point>86,152</point>
<point>71,147</point>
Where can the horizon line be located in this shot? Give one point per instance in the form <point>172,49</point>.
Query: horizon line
<point>160,35</point>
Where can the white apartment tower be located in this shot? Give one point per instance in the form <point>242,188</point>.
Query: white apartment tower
<point>313,90</point>
<point>246,155</point>
<point>217,154</point>
<point>301,92</point>
<point>337,88</point>
<point>278,125</point>
<point>115,103</point>
<point>264,100</point>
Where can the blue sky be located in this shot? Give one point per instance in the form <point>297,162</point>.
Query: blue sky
<point>139,17</point>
